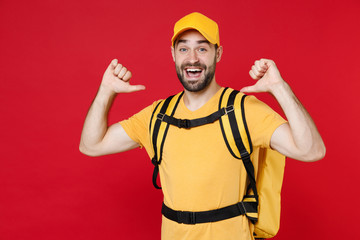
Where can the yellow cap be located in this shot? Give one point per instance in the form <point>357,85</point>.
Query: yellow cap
<point>207,27</point>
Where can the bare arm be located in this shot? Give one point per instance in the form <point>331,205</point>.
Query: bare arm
<point>299,138</point>
<point>97,138</point>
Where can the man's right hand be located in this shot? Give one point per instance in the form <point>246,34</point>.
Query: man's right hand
<point>97,138</point>
<point>116,79</point>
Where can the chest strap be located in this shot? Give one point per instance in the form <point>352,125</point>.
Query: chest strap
<point>187,123</point>
<point>231,211</point>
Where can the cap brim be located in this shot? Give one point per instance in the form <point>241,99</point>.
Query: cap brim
<point>173,39</point>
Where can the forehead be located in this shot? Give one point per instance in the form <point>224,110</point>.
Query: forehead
<point>191,36</point>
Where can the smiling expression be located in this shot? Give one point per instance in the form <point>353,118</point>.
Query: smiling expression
<point>195,60</point>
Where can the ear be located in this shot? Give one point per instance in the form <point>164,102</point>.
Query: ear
<point>219,53</point>
<point>173,53</point>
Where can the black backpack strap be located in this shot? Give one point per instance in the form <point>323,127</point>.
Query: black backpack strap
<point>241,147</point>
<point>237,138</point>
<point>187,217</point>
<point>158,130</point>
<point>187,123</point>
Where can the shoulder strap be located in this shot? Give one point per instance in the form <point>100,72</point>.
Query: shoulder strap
<point>241,147</point>
<point>158,130</point>
<point>237,138</point>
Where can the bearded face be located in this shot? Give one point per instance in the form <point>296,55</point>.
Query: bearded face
<point>195,76</point>
<point>195,60</point>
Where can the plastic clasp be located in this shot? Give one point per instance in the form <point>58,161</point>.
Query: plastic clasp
<point>186,217</point>
<point>241,207</point>
<point>184,123</point>
<point>154,161</point>
<point>229,109</point>
<point>160,116</point>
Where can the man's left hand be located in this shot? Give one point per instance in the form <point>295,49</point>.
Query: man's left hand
<point>267,75</point>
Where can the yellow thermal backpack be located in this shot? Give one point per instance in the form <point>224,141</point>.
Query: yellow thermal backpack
<point>261,204</point>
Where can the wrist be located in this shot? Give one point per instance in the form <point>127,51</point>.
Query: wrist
<point>280,89</point>
<point>104,97</point>
<point>106,92</point>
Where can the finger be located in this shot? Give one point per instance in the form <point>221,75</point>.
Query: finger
<point>260,66</point>
<point>122,72</point>
<point>248,89</point>
<point>127,76</point>
<point>135,88</point>
<point>117,69</point>
<point>267,62</point>
<point>255,71</point>
<point>253,75</point>
<point>113,63</point>
<point>257,65</point>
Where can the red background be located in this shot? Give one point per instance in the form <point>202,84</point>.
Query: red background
<point>52,57</point>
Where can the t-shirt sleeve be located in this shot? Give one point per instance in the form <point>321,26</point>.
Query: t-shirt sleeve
<point>137,127</point>
<point>262,121</point>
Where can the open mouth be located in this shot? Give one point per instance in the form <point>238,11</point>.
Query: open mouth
<point>193,72</point>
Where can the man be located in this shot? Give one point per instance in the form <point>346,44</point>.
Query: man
<point>197,171</point>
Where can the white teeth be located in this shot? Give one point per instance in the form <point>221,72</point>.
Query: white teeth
<point>193,70</point>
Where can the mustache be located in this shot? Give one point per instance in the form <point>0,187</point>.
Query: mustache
<point>185,65</point>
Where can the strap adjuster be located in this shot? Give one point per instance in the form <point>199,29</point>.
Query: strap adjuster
<point>160,116</point>
<point>155,162</point>
<point>229,109</point>
<point>186,217</point>
<point>184,123</point>
<point>241,207</point>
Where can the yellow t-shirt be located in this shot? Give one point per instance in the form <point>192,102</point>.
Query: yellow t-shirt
<point>198,173</point>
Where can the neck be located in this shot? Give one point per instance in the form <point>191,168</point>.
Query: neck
<point>195,100</point>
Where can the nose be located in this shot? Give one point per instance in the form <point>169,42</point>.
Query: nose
<point>193,58</point>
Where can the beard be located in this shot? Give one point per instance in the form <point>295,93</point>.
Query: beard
<point>201,84</point>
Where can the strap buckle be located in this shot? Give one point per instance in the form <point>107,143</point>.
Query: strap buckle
<point>154,161</point>
<point>241,207</point>
<point>160,116</point>
<point>183,123</point>
<point>229,109</point>
<point>186,217</point>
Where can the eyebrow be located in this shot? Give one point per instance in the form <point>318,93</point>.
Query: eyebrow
<point>199,42</point>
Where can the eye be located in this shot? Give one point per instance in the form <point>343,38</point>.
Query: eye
<point>202,49</point>
<point>182,49</point>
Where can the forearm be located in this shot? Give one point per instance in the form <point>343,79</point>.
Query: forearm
<point>307,142</point>
<point>300,138</point>
<point>96,121</point>
<point>97,138</point>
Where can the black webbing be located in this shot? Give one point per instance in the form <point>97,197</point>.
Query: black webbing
<point>156,160</point>
<point>251,173</point>
<point>245,124</point>
<point>186,217</point>
<point>246,160</point>
<point>152,116</point>
<point>155,172</point>
<point>245,155</point>
<point>157,127</point>
<point>167,126</point>
<point>222,127</point>
<point>234,127</point>
<point>190,123</point>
